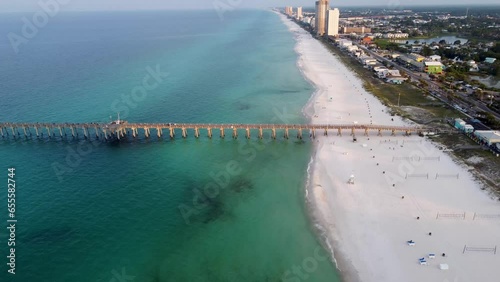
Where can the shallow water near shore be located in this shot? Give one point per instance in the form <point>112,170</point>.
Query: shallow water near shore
<point>135,207</point>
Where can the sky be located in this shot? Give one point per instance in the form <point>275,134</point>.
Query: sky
<point>32,5</point>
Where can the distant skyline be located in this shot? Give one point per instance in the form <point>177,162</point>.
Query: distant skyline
<point>86,5</point>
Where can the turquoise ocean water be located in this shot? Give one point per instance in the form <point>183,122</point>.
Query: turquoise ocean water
<point>94,211</point>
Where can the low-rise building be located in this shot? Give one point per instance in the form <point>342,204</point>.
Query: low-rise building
<point>468,128</point>
<point>358,30</point>
<point>416,57</point>
<point>395,35</point>
<point>368,61</point>
<point>435,58</point>
<point>488,136</point>
<point>459,123</point>
<point>473,66</point>
<point>352,48</point>
<point>433,67</point>
<point>416,48</point>
<point>344,43</point>
<point>490,60</point>
<point>396,80</point>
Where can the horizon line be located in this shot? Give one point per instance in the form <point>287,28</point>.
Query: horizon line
<point>261,8</point>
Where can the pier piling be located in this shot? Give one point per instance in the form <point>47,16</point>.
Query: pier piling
<point>172,132</point>
<point>121,130</point>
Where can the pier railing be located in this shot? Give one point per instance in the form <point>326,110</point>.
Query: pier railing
<point>118,130</point>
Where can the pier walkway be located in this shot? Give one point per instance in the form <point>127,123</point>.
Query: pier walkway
<point>122,129</point>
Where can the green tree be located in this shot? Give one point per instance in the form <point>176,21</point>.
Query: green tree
<point>457,42</point>
<point>426,51</point>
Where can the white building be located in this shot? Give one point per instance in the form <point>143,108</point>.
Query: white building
<point>435,58</point>
<point>395,35</point>
<point>344,43</point>
<point>352,48</point>
<point>308,20</point>
<point>489,137</point>
<point>332,28</point>
<point>369,61</point>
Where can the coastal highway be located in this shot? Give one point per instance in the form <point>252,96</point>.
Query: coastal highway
<point>434,87</point>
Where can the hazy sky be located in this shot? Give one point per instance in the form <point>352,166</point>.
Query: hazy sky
<point>31,5</point>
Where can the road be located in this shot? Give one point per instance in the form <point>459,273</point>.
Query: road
<point>434,87</point>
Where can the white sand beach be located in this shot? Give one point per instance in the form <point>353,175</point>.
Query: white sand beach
<point>369,222</point>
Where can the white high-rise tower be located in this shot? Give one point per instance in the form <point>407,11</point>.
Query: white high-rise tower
<point>332,28</point>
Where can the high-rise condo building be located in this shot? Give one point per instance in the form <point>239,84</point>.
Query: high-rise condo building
<point>299,13</point>
<point>332,28</point>
<point>322,6</point>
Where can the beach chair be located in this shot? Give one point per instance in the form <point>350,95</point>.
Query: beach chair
<point>432,256</point>
<point>410,243</point>
<point>422,261</point>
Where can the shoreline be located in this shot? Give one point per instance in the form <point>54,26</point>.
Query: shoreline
<point>367,224</point>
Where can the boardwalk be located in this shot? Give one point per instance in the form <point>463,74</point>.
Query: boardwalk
<point>122,129</point>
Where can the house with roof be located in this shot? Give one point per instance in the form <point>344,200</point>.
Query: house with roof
<point>435,58</point>
<point>433,67</point>
<point>490,60</point>
<point>488,136</point>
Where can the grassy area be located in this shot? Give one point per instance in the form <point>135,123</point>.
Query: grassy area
<point>486,169</point>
